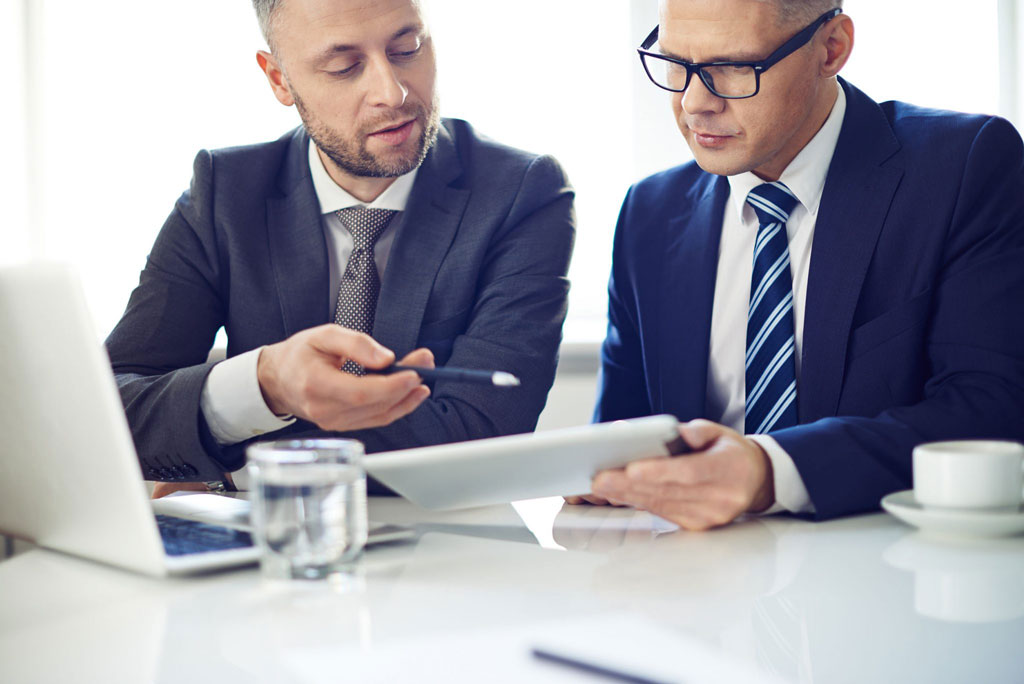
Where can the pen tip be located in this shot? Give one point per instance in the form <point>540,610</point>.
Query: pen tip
<point>503,379</point>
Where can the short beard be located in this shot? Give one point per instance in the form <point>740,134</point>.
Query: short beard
<point>353,158</point>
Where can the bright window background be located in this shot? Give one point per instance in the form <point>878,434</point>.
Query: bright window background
<point>14,197</point>
<point>118,95</point>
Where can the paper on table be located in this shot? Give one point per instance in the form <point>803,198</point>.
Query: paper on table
<point>208,508</point>
<point>625,643</point>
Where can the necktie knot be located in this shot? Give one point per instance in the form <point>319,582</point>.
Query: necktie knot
<point>366,225</point>
<point>772,202</point>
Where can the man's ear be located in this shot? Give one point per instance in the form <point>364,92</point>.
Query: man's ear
<point>838,45</point>
<point>275,76</point>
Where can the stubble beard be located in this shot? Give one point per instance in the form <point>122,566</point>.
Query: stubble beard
<point>352,156</point>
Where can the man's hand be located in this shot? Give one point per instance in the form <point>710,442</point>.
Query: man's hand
<point>300,376</point>
<point>728,475</point>
<point>587,498</point>
<point>162,489</point>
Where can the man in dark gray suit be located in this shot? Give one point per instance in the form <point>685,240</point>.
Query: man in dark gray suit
<point>374,230</point>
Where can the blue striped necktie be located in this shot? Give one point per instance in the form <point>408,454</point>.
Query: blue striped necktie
<point>770,365</point>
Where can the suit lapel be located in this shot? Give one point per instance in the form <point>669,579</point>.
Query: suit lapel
<point>854,204</point>
<point>428,226</point>
<point>688,270</point>
<point>298,248</point>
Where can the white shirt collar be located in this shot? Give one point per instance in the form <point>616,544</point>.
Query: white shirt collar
<point>333,197</point>
<point>805,175</point>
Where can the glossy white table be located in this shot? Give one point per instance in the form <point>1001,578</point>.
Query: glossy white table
<point>862,599</point>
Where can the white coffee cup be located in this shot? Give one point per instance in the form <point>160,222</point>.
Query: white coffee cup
<point>971,474</point>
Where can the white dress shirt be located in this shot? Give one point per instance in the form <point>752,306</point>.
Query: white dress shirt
<point>231,401</point>
<point>726,386</point>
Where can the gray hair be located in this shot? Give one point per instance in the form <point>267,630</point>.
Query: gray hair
<point>265,16</point>
<point>801,12</point>
<point>266,9</point>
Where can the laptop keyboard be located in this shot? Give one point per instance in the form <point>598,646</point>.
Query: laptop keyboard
<point>182,537</point>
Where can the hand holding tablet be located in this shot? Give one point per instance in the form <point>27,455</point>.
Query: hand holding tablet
<point>527,466</point>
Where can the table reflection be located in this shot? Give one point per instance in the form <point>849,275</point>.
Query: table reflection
<point>963,580</point>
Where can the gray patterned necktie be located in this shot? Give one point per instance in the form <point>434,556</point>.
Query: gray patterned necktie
<point>360,283</point>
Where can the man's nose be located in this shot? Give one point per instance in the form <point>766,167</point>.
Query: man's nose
<point>697,99</point>
<point>385,87</point>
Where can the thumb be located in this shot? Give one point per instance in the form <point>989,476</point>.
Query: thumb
<point>423,358</point>
<point>342,343</point>
<point>700,434</point>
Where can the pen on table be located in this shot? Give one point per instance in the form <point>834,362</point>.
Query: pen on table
<point>592,668</point>
<point>496,378</point>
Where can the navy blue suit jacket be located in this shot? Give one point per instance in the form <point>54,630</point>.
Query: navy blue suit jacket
<point>476,273</point>
<point>914,323</point>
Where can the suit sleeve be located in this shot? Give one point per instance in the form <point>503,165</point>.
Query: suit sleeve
<point>622,387</point>
<point>521,303</point>
<point>973,345</point>
<point>158,349</point>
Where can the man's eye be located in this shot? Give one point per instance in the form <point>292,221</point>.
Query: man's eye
<point>347,71</point>
<point>404,54</point>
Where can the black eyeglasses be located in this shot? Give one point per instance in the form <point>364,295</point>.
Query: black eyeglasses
<point>729,80</point>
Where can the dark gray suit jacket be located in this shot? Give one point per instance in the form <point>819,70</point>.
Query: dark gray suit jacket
<point>476,273</point>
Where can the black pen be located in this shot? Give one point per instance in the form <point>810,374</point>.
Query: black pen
<point>496,378</point>
<point>592,668</point>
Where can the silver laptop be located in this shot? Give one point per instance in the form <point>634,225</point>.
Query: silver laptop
<point>69,476</point>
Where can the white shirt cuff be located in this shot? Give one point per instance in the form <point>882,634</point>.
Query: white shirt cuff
<point>232,402</point>
<point>790,492</point>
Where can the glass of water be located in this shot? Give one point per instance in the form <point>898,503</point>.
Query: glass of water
<point>308,506</point>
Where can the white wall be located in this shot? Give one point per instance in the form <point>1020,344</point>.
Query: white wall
<point>15,231</point>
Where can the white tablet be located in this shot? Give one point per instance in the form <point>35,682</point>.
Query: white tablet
<point>504,469</point>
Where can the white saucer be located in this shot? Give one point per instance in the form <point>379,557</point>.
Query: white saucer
<point>953,522</point>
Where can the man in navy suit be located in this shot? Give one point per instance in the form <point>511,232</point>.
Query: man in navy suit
<point>374,231</point>
<point>830,283</point>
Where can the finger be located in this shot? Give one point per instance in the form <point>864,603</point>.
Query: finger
<point>611,484</point>
<point>334,398</point>
<point>422,358</point>
<point>377,413</point>
<point>674,492</point>
<point>162,489</point>
<point>342,344</point>
<point>619,488</point>
<point>696,517</point>
<point>595,500</point>
<point>692,506</point>
<point>700,434</point>
<point>631,493</point>
<point>614,486</point>
<point>586,499</point>
<point>683,513</point>
<point>411,402</point>
<point>373,392</point>
<point>684,470</point>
